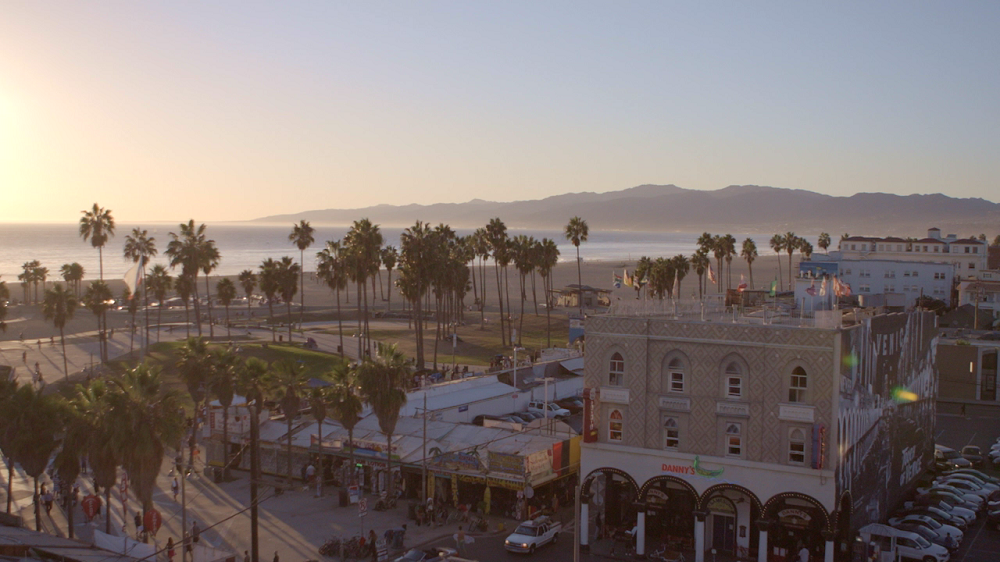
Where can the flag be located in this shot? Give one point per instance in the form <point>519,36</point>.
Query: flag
<point>822,288</point>
<point>743,284</point>
<point>616,280</point>
<point>133,277</point>
<point>774,288</point>
<point>628,279</point>
<point>845,289</point>
<point>811,291</point>
<point>711,274</point>
<point>838,288</point>
<point>640,282</point>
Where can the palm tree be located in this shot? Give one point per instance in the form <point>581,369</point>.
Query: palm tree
<point>4,297</point>
<point>269,285</point>
<point>681,266</point>
<point>302,237</point>
<point>346,405</point>
<point>145,417</point>
<point>496,232</point>
<point>221,384</point>
<point>749,253</point>
<point>195,365</point>
<point>72,274</point>
<point>415,264</point>
<point>8,386</point>
<point>39,274</point>
<point>192,251</point>
<point>331,269</point>
<point>791,244</point>
<point>288,274</point>
<point>481,246</point>
<point>778,245</point>
<point>226,290</point>
<point>248,280</point>
<point>132,307</point>
<point>719,252</point>
<point>33,420</point>
<point>318,401</point>
<point>364,242</point>
<point>140,247</point>
<point>805,247</point>
<point>577,232</point>
<point>25,278</point>
<point>700,264</point>
<point>92,425</point>
<point>209,260</point>
<point>521,253</point>
<point>59,306</point>
<point>390,256</point>
<point>159,282</point>
<point>288,384</point>
<point>548,260</point>
<point>383,381</point>
<point>185,287</point>
<point>97,299</point>
<point>824,241</point>
<point>98,225</point>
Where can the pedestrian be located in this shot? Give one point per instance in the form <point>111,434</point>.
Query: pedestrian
<point>175,488</point>
<point>372,539</point>
<point>275,557</point>
<point>170,549</point>
<point>246,556</point>
<point>138,526</point>
<point>804,554</point>
<point>76,495</point>
<point>24,357</point>
<point>47,498</point>
<point>460,540</point>
<point>963,410</point>
<point>195,532</point>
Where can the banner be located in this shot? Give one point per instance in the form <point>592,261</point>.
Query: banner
<point>591,417</point>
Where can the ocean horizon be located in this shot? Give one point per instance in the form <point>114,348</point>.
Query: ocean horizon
<point>246,245</point>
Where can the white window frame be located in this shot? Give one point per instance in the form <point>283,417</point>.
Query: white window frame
<point>611,426</point>
<point>734,439</point>
<point>798,386</point>
<point>796,446</point>
<point>671,434</point>
<point>616,376</point>
<point>730,386</point>
<point>676,381</point>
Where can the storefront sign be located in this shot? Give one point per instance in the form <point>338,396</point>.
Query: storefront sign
<point>677,469</point>
<point>460,460</point>
<point>722,505</point>
<point>540,465</point>
<point>591,417</point>
<point>792,513</point>
<point>656,494</point>
<point>505,463</point>
<point>818,445</point>
<point>615,395</point>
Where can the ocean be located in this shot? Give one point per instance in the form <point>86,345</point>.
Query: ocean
<point>245,246</point>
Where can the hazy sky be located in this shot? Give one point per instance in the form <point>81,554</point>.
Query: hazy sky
<point>234,110</point>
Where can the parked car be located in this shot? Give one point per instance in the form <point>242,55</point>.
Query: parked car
<point>931,523</point>
<point>951,498</point>
<point>426,554</point>
<point>530,535</point>
<point>938,486</point>
<point>978,474</point>
<point>963,512</point>
<point>973,454</point>
<point>929,535</point>
<point>965,486</point>
<point>554,411</point>
<point>938,514</point>
<point>517,419</point>
<point>574,405</point>
<point>950,455</point>
<point>532,415</point>
<point>991,487</point>
<point>897,544</point>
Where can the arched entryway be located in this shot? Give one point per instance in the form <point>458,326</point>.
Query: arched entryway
<point>670,503</point>
<point>730,511</point>
<point>797,521</point>
<point>608,496</point>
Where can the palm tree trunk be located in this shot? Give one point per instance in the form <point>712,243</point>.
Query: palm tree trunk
<point>360,328</point>
<point>534,293</point>
<point>750,267</point>
<point>197,305</point>
<point>475,285</point>
<point>349,480</point>
<point>187,320</point>
<point>381,286</point>
<point>780,281</point>
<point>38,505</point>
<point>69,512</point>
<point>340,324</point>
<point>790,270</point>
<point>503,333</point>
<point>131,336</point>
<point>579,281</point>
<point>145,298</point>
<point>249,311</point>
<point>288,419</point>
<point>62,338</point>
<point>270,312</point>
<point>437,329</point>
<point>388,465</point>
<point>229,331</point>
<point>10,483</point>
<point>388,290</point>
<point>225,441</point>
<point>419,333</point>
<point>159,320</point>
<point>107,510</point>
<point>520,324</point>
<point>548,323</point>
<point>302,286</point>
<point>319,469</point>
<point>506,290</point>
<point>208,297</point>
<point>100,259</point>
<point>288,306</point>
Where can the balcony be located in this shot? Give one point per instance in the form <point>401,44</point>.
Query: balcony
<point>795,413</point>
<point>675,403</point>
<point>614,395</point>
<point>731,409</point>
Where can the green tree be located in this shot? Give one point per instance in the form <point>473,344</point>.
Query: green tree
<point>8,386</point>
<point>729,247</point>
<point>140,247</point>
<point>93,425</point>
<point>496,233</point>
<point>210,258</point>
<point>33,420</point>
<point>824,241</point>
<point>364,243</point>
<point>346,407</point>
<point>221,383</point>
<point>778,245</point>
<point>97,298</point>
<point>331,269</point>
<point>681,267</point>
<point>72,274</point>
<point>196,365</point>
<point>318,402</point>
<point>270,284</point>
<point>719,253</point>
<point>4,297</point>
<point>159,282</point>
<point>414,276</point>
<point>576,232</point>
<point>39,274</point>
<point>288,386</point>
<point>383,381</point>
<point>192,251</point>
<point>806,248</point>
<point>248,280</point>
<point>58,307</point>
<point>749,253</point>
<point>390,256</point>
<point>186,289</point>
<point>700,263</point>
<point>97,225</point>
<point>547,262</point>
<point>288,274</point>
<point>226,290</point>
<point>791,244</point>
<point>302,237</point>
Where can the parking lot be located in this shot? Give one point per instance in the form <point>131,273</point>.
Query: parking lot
<point>979,426</point>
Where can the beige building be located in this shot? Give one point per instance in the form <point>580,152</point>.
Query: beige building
<point>751,438</point>
<point>968,255</point>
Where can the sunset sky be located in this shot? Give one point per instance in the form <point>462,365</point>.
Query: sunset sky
<point>235,110</point>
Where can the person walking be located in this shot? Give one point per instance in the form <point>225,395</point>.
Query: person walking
<point>170,549</point>
<point>275,557</point>
<point>175,488</point>
<point>460,541</point>
<point>804,554</point>
<point>372,548</point>
<point>246,556</point>
<point>47,499</point>
<point>196,532</point>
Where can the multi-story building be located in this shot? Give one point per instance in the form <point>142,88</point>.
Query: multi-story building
<point>968,367</point>
<point>745,438</point>
<point>968,255</point>
<point>983,292</point>
<point>896,282</point>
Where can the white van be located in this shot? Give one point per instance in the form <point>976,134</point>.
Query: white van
<point>894,544</point>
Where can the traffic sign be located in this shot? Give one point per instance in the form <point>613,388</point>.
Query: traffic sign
<point>152,521</point>
<point>381,550</point>
<point>90,504</point>
<point>362,507</point>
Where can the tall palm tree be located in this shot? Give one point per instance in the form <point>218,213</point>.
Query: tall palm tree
<point>159,282</point>
<point>186,288</point>
<point>192,250</point>
<point>141,247</point>
<point>132,307</point>
<point>221,383</point>
<point>824,241</point>
<point>346,405</point>
<point>39,275</point>
<point>496,232</point>
<point>27,278</point>
<point>72,274</point>
<point>332,270</point>
<point>59,306</point>
<point>577,232</point>
<point>302,237</point>
<point>681,267</point>
<point>8,386</point>
<point>270,284</point>
<point>98,225</point>
<point>226,290</point>
<point>719,252</point>
<point>288,274</point>
<point>97,299</point>
<point>146,417</point>
<point>729,246</point>
<point>383,381</point>
<point>749,253</point>
<point>481,246</point>
<point>94,421</point>
<point>791,244</point>
<point>288,385</point>
<point>390,256</point>
<point>806,248</point>
<point>700,264</point>
<point>33,419</point>
<point>318,402</point>
<point>548,261</point>
<point>209,260</point>
<point>4,297</point>
<point>195,365</point>
<point>521,252</point>
<point>248,280</point>
<point>364,241</point>
<point>415,264</point>
<point>778,245</point>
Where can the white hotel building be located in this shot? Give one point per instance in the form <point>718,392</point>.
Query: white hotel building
<point>968,255</point>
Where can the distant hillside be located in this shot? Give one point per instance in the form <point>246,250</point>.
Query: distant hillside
<point>737,208</point>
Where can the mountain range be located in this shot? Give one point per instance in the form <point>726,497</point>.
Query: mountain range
<point>662,208</point>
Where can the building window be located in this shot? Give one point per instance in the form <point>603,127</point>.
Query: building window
<point>972,265</point>
<point>615,426</point>
<point>671,434</point>
<point>734,382</point>
<point>906,273</point>
<point>975,250</point>
<point>899,247</point>
<point>797,385</point>
<point>734,440</point>
<point>616,372</point>
<point>966,249</point>
<point>864,288</point>
<point>853,247</point>
<point>937,249</point>
<point>881,247</point>
<point>915,273</point>
<point>676,376</point>
<point>847,271</point>
<point>797,447</point>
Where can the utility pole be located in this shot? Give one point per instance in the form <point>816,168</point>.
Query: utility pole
<point>254,477</point>
<point>184,524</point>
<point>423,479</point>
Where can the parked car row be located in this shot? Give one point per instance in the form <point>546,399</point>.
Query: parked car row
<point>538,409</point>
